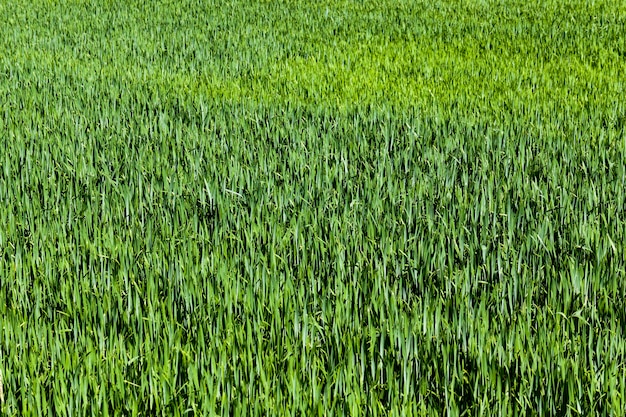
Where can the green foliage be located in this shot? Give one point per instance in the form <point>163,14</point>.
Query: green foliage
<point>312,208</point>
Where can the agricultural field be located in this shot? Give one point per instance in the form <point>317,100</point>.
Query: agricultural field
<point>325,208</point>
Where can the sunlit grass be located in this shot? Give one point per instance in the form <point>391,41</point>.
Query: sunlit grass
<point>333,207</point>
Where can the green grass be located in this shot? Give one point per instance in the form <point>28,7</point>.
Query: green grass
<point>312,208</point>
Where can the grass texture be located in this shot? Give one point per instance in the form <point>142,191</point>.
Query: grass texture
<point>393,207</point>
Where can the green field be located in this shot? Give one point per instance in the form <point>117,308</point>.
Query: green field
<point>295,208</point>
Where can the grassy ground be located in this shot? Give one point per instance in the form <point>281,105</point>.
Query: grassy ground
<point>312,208</point>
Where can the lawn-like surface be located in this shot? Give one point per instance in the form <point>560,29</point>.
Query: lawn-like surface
<point>254,208</point>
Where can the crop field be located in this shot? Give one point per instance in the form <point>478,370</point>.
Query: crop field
<point>313,207</point>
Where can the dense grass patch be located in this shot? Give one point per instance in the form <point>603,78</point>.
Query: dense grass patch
<point>312,208</point>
